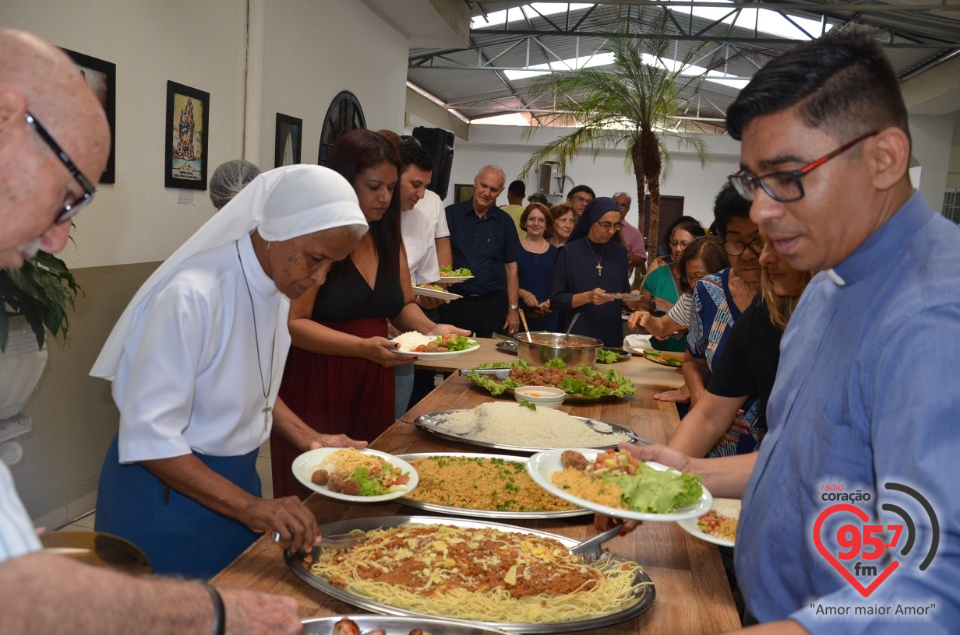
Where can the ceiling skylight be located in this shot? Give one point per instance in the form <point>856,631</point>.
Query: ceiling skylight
<point>498,18</point>
<point>765,21</point>
<point>600,59</point>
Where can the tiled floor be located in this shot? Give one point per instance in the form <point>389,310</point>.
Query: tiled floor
<point>85,523</point>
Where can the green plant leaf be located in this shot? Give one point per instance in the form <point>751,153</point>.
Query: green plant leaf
<point>40,291</point>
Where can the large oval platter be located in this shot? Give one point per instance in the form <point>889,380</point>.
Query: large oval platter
<point>483,513</point>
<point>429,422</point>
<point>393,625</point>
<point>643,590</point>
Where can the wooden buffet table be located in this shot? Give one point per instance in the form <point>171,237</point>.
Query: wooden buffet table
<point>692,594</point>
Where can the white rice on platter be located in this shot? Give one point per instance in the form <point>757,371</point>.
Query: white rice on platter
<point>411,339</point>
<point>513,424</point>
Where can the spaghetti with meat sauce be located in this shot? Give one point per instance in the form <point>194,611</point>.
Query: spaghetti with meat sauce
<point>478,574</point>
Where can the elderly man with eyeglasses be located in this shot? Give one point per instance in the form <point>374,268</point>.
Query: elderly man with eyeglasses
<point>54,144</point>
<point>864,407</point>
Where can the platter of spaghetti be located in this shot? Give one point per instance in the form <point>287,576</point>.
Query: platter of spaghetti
<point>359,476</point>
<point>526,581</point>
<point>719,525</point>
<point>482,486</point>
<point>614,483</point>
<point>388,625</point>
<point>518,428</point>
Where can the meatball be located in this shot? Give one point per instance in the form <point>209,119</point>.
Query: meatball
<point>320,476</point>
<point>574,460</point>
<point>350,487</point>
<point>346,626</point>
<point>335,483</point>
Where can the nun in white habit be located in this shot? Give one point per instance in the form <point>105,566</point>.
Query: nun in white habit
<point>196,361</point>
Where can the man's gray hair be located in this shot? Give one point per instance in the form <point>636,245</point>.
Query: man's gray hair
<point>630,198</point>
<point>503,176</point>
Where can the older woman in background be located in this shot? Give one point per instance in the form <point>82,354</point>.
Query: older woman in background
<point>703,256</point>
<point>339,377</point>
<point>564,218</point>
<point>589,268</point>
<point>661,288</point>
<point>535,267</point>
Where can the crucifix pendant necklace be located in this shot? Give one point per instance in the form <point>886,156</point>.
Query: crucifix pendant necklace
<point>600,259</point>
<point>264,386</point>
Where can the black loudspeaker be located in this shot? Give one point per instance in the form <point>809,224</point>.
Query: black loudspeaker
<point>439,143</point>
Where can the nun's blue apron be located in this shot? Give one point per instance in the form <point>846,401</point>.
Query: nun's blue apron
<point>179,536</point>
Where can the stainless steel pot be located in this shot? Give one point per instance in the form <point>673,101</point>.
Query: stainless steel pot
<point>572,349</point>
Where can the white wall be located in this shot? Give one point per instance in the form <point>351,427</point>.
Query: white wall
<point>606,174</point>
<point>312,50</point>
<point>932,138</point>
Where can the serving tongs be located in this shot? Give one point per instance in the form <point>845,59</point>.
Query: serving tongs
<point>339,542</point>
<point>499,373</point>
<point>589,550</point>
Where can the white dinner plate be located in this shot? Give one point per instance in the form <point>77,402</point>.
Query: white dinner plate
<point>729,507</point>
<point>304,465</point>
<point>542,465</point>
<point>453,279</point>
<point>433,293</point>
<point>440,355</point>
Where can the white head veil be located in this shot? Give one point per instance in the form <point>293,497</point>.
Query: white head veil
<point>281,204</point>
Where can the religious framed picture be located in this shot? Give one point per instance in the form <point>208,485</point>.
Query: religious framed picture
<point>101,77</point>
<point>462,192</point>
<point>288,138</point>
<point>186,137</point>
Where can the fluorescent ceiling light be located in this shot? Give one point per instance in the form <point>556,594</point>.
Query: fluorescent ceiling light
<point>498,18</point>
<point>588,61</point>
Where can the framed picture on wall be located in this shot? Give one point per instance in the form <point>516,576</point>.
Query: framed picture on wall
<point>101,77</point>
<point>462,192</point>
<point>289,137</point>
<point>186,134</point>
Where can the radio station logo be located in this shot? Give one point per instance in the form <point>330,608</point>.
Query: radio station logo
<point>860,545</point>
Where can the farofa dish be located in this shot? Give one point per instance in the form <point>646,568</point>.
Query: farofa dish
<point>479,574</point>
<point>481,484</point>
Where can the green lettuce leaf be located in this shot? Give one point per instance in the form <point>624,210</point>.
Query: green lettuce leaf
<point>657,492</point>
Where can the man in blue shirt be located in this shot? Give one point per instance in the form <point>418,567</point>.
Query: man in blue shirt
<point>864,407</point>
<point>484,240</point>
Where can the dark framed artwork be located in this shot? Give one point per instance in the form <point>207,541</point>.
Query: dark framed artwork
<point>186,137</point>
<point>288,139</point>
<point>343,115</point>
<point>101,77</point>
<point>462,192</point>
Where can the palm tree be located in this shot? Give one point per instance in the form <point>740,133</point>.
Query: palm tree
<point>629,106</point>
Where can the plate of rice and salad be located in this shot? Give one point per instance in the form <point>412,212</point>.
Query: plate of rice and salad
<point>614,483</point>
<point>434,346</point>
<point>719,525</point>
